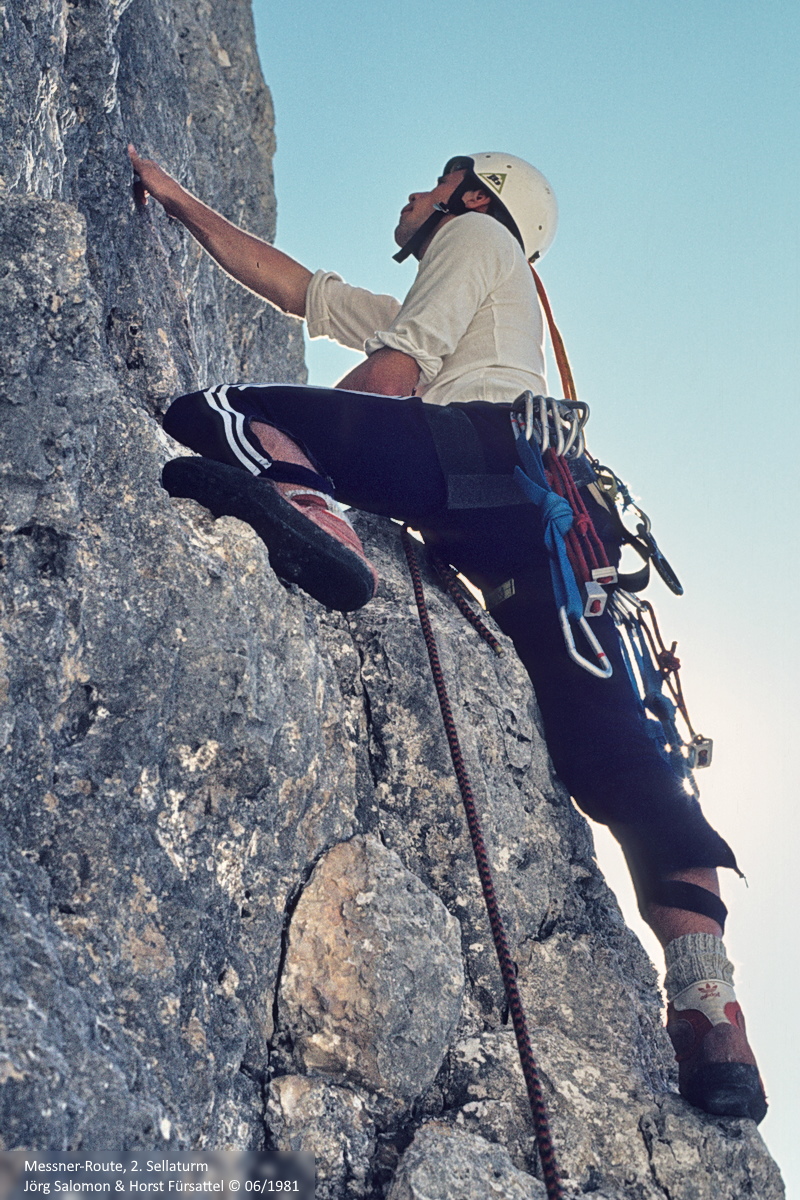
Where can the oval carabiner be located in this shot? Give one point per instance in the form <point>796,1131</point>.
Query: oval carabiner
<point>544,420</point>
<point>667,573</point>
<point>574,427</point>
<point>605,669</point>
<point>528,397</point>
<point>558,426</point>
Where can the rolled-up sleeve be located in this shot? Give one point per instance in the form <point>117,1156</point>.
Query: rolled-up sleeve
<point>456,275</point>
<point>346,314</point>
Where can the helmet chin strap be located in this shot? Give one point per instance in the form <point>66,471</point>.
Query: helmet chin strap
<point>454,207</point>
<point>422,234</point>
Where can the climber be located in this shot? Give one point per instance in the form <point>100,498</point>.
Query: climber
<point>420,431</point>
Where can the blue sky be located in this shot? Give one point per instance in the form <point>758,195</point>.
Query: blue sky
<point>670,134</point>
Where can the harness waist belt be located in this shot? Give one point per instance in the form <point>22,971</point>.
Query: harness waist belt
<point>483,491</point>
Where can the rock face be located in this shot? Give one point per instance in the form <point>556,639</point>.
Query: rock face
<point>453,1165</point>
<point>373,980</point>
<point>238,904</point>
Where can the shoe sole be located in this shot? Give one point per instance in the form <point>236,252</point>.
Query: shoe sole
<point>728,1090</point>
<point>299,551</point>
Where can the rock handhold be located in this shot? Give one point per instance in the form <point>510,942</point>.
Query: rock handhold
<point>445,1164</point>
<point>372,987</point>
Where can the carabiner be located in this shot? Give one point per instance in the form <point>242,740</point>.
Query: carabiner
<point>574,431</point>
<point>522,414</point>
<point>604,670</point>
<point>559,424</point>
<point>574,414</point>
<point>528,397</point>
<point>658,560</point>
<point>544,421</point>
<point>556,423</point>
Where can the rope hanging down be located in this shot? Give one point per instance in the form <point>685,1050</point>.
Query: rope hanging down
<point>454,589</point>
<point>507,968</point>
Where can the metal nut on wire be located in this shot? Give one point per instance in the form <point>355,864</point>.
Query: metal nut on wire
<point>596,598</point>
<point>604,575</point>
<point>699,752</point>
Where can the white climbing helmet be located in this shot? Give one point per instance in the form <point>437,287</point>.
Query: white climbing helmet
<point>524,193</point>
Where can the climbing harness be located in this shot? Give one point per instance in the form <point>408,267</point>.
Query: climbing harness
<point>507,968</point>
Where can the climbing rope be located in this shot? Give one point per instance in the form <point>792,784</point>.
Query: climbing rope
<point>451,584</point>
<point>585,550</point>
<point>507,969</point>
<point>559,349</point>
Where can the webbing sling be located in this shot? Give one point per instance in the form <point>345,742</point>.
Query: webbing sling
<point>557,517</point>
<point>662,729</point>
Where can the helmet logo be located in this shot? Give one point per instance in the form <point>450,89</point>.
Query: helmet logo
<point>495,180</point>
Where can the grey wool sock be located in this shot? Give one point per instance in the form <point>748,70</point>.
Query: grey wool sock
<point>695,957</point>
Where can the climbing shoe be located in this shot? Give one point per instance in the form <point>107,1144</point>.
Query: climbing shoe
<point>309,539</point>
<point>717,1070</point>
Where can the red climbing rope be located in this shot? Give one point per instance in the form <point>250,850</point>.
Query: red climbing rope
<point>455,590</point>
<point>507,969</point>
<point>584,549</point>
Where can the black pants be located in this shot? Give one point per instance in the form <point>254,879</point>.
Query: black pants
<point>394,457</point>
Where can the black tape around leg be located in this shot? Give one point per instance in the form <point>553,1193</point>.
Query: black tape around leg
<point>676,893</point>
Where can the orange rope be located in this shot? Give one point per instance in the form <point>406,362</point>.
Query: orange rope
<point>559,350</point>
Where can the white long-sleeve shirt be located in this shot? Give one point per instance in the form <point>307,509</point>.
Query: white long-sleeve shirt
<point>471,321</point>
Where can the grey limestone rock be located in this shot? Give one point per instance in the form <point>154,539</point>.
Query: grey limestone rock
<point>330,1122</point>
<point>708,1158</point>
<point>373,980</point>
<point>182,81</point>
<point>445,1164</point>
<point>208,782</point>
<point>137,728</point>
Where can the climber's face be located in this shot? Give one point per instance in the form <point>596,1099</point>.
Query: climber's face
<point>421,205</point>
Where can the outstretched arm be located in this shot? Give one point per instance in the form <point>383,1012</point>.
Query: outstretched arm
<point>250,260</point>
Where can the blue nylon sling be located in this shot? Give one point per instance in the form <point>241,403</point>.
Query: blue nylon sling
<point>556,520</point>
